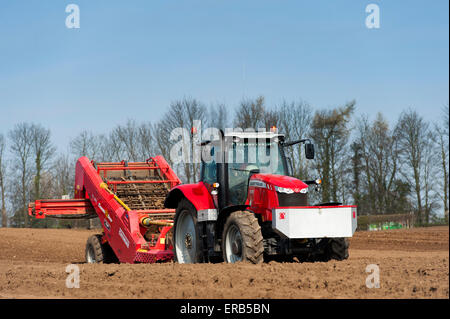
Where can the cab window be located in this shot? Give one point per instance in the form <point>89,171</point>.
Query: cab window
<point>209,170</point>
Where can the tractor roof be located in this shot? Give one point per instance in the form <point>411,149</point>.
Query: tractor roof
<point>248,135</point>
<point>254,135</point>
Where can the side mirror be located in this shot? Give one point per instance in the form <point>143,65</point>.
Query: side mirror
<point>309,151</point>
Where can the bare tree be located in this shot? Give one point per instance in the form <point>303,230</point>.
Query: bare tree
<point>330,132</point>
<point>85,144</point>
<point>378,147</point>
<point>295,121</point>
<point>63,172</point>
<point>132,141</point>
<point>414,136</point>
<point>430,170</point>
<point>172,119</point>
<point>146,140</point>
<point>110,148</point>
<point>127,136</point>
<point>162,137</point>
<point>2,180</point>
<point>218,117</point>
<point>271,119</point>
<point>43,152</point>
<point>250,114</point>
<point>442,139</point>
<point>21,145</point>
<point>194,111</point>
<point>357,168</point>
<point>182,114</point>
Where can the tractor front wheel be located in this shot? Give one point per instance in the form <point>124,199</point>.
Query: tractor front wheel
<point>242,239</point>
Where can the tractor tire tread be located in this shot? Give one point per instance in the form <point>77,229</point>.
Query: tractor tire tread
<point>338,248</point>
<point>251,235</point>
<point>103,252</point>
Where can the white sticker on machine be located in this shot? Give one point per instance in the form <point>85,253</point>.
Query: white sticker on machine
<point>124,238</point>
<point>205,215</point>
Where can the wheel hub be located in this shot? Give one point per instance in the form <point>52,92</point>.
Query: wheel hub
<point>188,241</point>
<point>185,238</point>
<point>90,255</point>
<point>233,244</point>
<point>236,248</point>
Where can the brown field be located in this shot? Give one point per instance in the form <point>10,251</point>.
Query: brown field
<point>413,264</point>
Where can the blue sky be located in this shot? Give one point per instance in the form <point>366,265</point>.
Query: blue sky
<point>130,59</point>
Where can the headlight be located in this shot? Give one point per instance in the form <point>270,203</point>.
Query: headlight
<point>284,190</point>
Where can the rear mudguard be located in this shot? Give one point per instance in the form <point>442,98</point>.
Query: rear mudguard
<point>197,194</point>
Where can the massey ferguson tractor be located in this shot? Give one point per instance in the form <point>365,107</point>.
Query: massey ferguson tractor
<point>247,207</point>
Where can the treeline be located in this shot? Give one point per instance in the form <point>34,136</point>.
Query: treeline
<point>384,168</point>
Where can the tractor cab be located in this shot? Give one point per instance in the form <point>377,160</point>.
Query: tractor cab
<point>230,163</point>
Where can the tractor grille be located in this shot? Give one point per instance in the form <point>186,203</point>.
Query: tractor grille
<point>295,199</point>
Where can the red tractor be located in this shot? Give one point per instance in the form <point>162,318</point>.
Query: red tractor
<point>247,207</point>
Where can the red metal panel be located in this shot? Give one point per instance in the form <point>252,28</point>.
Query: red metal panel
<point>60,207</point>
<point>153,256</point>
<point>197,194</point>
<point>166,170</point>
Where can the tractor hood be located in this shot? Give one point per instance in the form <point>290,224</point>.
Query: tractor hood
<point>272,180</point>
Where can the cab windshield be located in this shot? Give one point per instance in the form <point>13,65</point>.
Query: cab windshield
<point>249,157</point>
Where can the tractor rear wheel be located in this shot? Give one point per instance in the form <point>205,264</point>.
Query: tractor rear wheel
<point>186,238</point>
<point>242,239</point>
<point>96,252</point>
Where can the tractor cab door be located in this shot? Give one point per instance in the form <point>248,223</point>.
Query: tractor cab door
<point>242,161</point>
<point>238,177</point>
<point>209,171</point>
<point>213,171</point>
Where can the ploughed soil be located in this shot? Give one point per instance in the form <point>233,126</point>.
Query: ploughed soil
<point>412,263</point>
